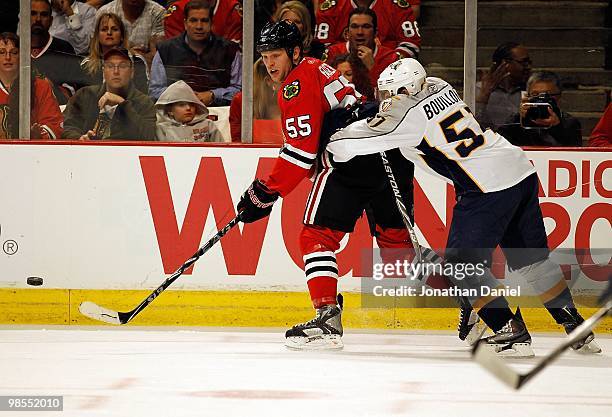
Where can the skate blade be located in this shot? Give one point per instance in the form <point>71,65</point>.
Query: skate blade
<point>476,333</point>
<point>590,348</point>
<point>319,342</point>
<point>515,350</point>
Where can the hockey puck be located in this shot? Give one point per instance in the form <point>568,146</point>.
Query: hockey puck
<point>36,281</point>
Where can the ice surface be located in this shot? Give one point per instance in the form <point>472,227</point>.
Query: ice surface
<point>133,372</point>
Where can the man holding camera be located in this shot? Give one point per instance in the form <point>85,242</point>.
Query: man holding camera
<point>540,121</point>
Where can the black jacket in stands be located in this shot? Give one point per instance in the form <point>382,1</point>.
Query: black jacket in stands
<point>211,69</point>
<point>60,64</point>
<point>566,133</point>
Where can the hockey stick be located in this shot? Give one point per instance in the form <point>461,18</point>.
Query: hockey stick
<point>401,206</point>
<point>496,365</point>
<point>94,311</point>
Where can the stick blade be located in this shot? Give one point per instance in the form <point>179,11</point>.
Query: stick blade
<point>95,312</point>
<point>497,366</point>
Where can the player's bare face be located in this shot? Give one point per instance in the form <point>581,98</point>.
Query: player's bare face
<point>9,61</point>
<point>277,63</point>
<point>361,31</point>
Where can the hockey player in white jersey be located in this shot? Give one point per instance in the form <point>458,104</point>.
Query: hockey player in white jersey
<point>496,187</point>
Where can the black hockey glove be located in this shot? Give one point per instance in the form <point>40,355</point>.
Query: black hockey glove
<point>256,202</point>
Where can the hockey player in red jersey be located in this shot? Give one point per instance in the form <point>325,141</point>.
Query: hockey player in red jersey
<point>309,90</point>
<point>227,19</point>
<point>398,28</point>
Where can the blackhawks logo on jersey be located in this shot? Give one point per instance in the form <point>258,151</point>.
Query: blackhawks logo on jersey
<point>291,90</point>
<point>327,4</point>
<point>170,10</point>
<point>325,55</point>
<point>402,3</point>
<point>238,8</point>
<point>4,127</point>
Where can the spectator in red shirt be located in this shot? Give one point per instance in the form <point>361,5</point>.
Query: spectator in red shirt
<point>45,115</point>
<point>602,133</point>
<point>398,26</point>
<point>227,19</point>
<point>362,29</point>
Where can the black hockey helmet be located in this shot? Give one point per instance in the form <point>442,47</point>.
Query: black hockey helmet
<point>283,34</point>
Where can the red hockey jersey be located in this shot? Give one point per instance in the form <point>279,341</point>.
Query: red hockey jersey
<point>383,56</point>
<point>397,27</point>
<point>227,19</point>
<point>45,111</point>
<point>311,89</point>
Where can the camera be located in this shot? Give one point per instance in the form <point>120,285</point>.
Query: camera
<point>537,108</point>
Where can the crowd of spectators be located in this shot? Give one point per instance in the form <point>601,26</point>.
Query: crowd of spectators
<point>509,92</point>
<point>151,69</point>
<point>114,67</point>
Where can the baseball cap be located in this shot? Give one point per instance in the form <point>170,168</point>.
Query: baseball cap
<point>118,50</point>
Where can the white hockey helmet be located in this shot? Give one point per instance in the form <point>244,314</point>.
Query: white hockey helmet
<point>405,73</point>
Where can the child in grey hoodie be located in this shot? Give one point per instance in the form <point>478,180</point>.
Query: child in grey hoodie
<point>181,117</point>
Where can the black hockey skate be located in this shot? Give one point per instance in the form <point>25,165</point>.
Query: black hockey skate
<point>512,340</point>
<point>470,327</point>
<point>322,332</point>
<point>569,318</point>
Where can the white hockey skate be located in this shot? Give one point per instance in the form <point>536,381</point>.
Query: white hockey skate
<point>589,348</point>
<point>324,332</point>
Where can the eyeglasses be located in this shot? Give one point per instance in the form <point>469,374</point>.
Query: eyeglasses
<point>111,67</point>
<point>13,52</point>
<point>524,62</point>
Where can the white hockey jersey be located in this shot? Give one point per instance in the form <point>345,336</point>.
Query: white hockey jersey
<point>436,129</point>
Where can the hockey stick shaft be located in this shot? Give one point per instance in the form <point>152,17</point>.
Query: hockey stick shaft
<point>578,334</point>
<point>102,314</point>
<point>516,380</point>
<point>401,206</point>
